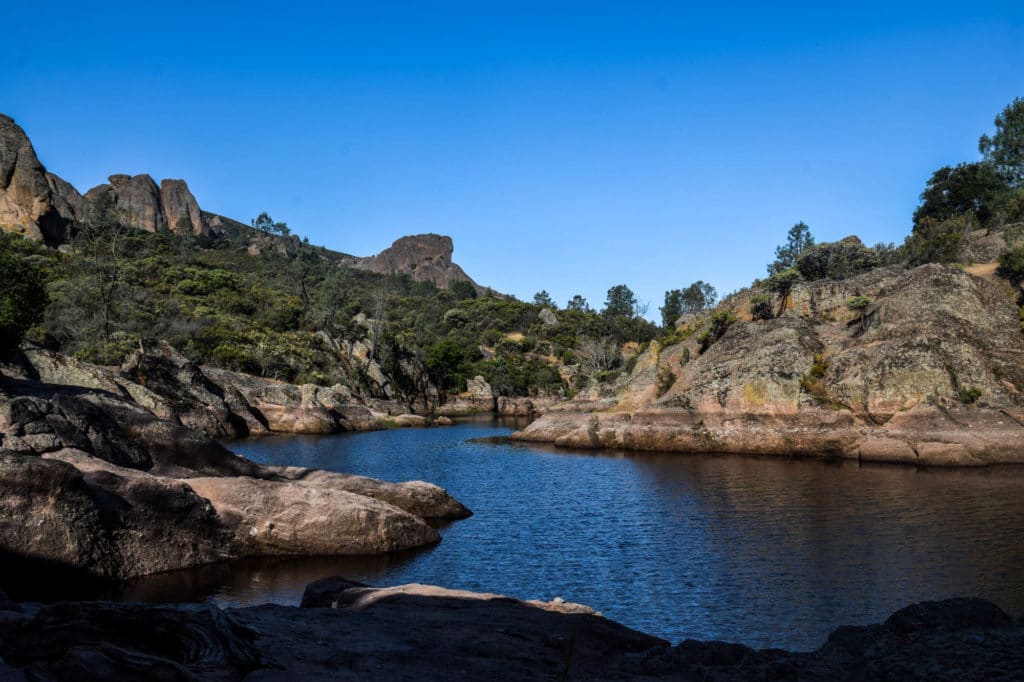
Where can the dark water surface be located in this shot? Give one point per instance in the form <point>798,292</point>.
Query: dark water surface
<point>767,552</point>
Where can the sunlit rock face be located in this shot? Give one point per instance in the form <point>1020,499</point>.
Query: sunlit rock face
<point>33,202</point>
<point>424,257</point>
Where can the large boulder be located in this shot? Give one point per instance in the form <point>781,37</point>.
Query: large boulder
<point>299,518</point>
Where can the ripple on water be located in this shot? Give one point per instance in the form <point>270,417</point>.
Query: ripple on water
<point>763,551</point>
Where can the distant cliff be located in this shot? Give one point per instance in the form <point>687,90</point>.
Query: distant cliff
<point>43,206</point>
<point>424,257</point>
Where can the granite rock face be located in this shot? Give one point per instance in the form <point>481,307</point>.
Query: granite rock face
<point>822,381</point>
<point>104,478</point>
<point>138,201</point>
<point>32,202</point>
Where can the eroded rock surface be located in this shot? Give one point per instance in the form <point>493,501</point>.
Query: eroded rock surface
<point>424,257</point>
<point>32,202</point>
<point>822,381</point>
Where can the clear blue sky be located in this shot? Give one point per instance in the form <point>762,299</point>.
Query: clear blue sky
<point>567,146</point>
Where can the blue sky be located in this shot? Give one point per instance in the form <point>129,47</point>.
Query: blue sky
<point>565,146</point>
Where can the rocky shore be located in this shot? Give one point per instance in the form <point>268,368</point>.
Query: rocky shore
<point>931,374</point>
<point>110,474</point>
<point>344,631</point>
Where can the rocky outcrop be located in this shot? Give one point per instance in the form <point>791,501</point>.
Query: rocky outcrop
<point>181,211</point>
<point>97,485</point>
<point>350,631</point>
<point>424,257</point>
<point>32,202</point>
<point>137,201</point>
<point>932,374</point>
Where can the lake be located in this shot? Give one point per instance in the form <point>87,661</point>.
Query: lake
<point>763,551</point>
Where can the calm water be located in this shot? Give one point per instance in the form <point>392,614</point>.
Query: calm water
<point>762,551</point>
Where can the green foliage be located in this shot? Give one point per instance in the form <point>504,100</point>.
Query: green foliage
<point>1005,148</point>
<point>264,223</point>
<point>780,284</point>
<point>698,297</point>
<point>761,307</point>
<point>812,381</point>
<point>975,188</point>
<point>934,241</point>
<point>620,302</point>
<point>543,299</point>
<point>673,308</point>
<point>578,304</point>
<point>23,296</point>
<point>719,323</point>
<point>836,260</point>
<point>798,240</point>
<point>1011,265</point>
<point>968,395</point>
<point>859,303</point>
<point>462,289</point>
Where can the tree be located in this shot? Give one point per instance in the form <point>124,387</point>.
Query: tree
<point>543,298</point>
<point>462,289</point>
<point>1011,265</point>
<point>673,308</point>
<point>264,223</point>
<point>780,284</point>
<point>938,241</point>
<point>977,188</point>
<point>1005,148</point>
<point>698,297</point>
<point>620,302</point>
<point>798,239</point>
<point>578,303</point>
<point>22,295</point>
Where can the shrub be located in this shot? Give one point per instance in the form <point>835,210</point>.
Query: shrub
<point>969,395</point>
<point>836,260</point>
<point>761,307</point>
<point>719,324</point>
<point>22,296</point>
<point>1011,265</point>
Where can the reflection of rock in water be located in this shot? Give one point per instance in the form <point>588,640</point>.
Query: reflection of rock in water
<point>255,581</point>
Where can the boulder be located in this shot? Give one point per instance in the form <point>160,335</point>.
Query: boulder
<point>297,518</point>
<point>416,497</point>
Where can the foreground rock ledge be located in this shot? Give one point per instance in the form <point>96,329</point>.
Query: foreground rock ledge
<point>349,631</point>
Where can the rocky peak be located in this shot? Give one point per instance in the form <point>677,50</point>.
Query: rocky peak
<point>140,202</point>
<point>424,257</point>
<point>27,191</point>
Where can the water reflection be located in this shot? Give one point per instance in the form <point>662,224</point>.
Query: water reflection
<point>764,551</point>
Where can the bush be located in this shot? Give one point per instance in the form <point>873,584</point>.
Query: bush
<point>720,323</point>
<point>837,260</point>
<point>761,307</point>
<point>666,378</point>
<point>938,241</point>
<point>1011,265</point>
<point>969,395</point>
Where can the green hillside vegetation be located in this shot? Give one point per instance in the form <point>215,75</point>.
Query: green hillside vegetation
<point>260,300</point>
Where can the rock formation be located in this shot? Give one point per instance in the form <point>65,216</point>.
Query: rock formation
<point>136,200</point>
<point>105,478</point>
<point>424,257</point>
<point>348,631</point>
<point>32,202</point>
<point>932,373</point>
